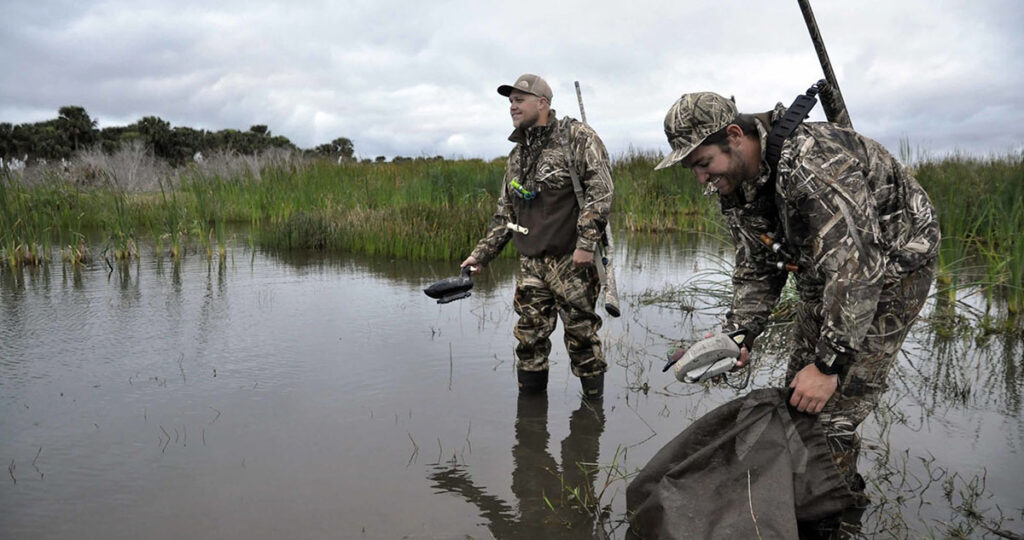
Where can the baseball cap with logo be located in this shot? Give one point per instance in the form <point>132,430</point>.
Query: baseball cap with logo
<point>692,118</point>
<point>529,83</point>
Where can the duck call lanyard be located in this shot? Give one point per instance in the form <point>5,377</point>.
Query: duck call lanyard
<point>529,157</point>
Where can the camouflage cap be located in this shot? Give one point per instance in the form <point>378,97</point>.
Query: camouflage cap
<point>691,119</point>
<point>529,83</point>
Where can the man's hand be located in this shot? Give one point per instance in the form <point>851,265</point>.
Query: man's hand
<point>741,362</point>
<point>812,389</point>
<point>471,261</point>
<point>582,257</point>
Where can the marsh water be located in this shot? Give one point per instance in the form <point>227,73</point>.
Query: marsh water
<point>302,396</point>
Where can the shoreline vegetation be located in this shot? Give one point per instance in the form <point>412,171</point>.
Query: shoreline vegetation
<point>423,209</point>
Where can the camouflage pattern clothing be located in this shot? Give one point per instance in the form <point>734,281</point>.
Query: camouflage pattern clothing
<point>863,380</point>
<point>551,286</point>
<point>865,239</point>
<point>548,285</point>
<point>851,219</point>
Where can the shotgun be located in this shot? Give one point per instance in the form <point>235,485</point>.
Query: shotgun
<point>831,98</point>
<point>605,248</point>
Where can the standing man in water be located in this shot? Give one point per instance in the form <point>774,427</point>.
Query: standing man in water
<point>856,228</point>
<point>556,238</point>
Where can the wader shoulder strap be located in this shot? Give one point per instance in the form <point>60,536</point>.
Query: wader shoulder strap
<point>781,130</point>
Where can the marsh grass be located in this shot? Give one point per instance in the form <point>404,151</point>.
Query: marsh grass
<point>120,244</point>
<point>667,200</point>
<point>434,209</point>
<point>980,204</point>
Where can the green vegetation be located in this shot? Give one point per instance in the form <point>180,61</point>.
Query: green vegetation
<point>981,213</point>
<point>426,208</point>
<point>668,200</point>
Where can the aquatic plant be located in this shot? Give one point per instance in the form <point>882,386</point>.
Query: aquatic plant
<point>436,209</point>
<point>980,236</point>
<point>668,200</point>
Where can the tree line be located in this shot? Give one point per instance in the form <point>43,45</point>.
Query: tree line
<point>74,130</point>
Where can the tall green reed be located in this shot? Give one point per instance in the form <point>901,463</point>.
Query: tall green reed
<point>667,200</point>
<point>980,205</point>
<point>434,209</point>
<point>121,243</point>
<point>33,218</point>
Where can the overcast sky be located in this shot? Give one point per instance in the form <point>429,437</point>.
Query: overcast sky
<point>419,77</point>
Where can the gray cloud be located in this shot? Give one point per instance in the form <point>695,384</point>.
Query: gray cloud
<point>419,78</point>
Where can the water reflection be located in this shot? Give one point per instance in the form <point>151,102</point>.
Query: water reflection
<point>970,369</point>
<point>552,498</point>
<point>128,280</point>
<point>75,271</point>
<point>411,274</point>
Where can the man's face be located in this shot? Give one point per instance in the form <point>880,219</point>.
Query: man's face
<point>722,169</point>
<point>524,108</point>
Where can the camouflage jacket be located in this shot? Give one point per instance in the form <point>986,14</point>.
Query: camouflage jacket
<point>847,214</point>
<point>540,163</point>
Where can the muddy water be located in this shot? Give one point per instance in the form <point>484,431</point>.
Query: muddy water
<point>287,396</point>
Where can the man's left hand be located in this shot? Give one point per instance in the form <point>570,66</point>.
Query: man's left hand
<point>812,389</point>
<point>582,257</point>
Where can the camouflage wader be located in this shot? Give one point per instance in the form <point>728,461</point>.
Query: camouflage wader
<point>551,287</point>
<point>862,233</point>
<point>863,381</point>
<point>538,196</point>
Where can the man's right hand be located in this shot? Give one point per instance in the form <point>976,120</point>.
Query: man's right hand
<point>741,362</point>
<point>471,261</point>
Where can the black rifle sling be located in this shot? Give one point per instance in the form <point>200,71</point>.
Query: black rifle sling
<point>794,115</point>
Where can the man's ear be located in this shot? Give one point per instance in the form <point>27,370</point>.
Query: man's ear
<point>734,132</point>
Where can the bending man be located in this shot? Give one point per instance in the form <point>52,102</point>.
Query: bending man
<point>856,227</point>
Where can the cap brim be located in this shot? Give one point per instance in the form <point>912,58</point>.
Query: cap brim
<point>506,90</point>
<point>673,157</point>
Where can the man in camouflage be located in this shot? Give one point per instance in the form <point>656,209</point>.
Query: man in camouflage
<point>855,226</point>
<point>555,237</point>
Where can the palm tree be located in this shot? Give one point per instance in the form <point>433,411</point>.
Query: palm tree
<point>76,125</point>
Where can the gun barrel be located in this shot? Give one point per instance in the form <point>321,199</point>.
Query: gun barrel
<point>831,97</point>
<point>579,98</point>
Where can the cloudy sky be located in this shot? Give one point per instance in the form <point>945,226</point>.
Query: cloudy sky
<point>418,77</point>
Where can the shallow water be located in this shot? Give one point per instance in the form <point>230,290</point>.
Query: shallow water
<point>312,397</point>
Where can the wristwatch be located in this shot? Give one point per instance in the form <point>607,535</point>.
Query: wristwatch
<point>826,368</point>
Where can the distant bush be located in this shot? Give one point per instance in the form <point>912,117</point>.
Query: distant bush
<point>74,131</point>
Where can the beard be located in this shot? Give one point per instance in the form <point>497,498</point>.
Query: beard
<point>727,182</point>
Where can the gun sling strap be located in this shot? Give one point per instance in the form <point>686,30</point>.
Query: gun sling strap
<point>795,114</point>
<point>577,187</point>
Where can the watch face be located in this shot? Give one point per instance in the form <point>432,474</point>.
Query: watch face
<point>827,369</point>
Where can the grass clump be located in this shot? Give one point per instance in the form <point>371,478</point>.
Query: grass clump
<point>980,205</point>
